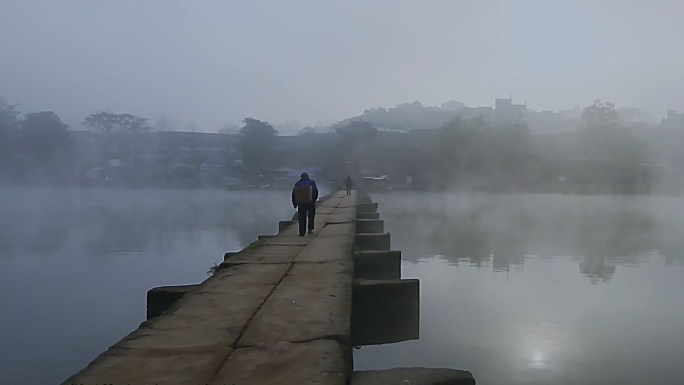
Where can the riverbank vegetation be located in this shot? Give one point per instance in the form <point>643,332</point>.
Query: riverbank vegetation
<point>602,154</point>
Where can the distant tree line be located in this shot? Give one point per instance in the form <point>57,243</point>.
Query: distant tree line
<point>123,149</point>
<point>602,156</point>
<point>35,145</point>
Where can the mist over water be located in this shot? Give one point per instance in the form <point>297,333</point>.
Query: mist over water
<point>541,289</point>
<point>75,264</point>
<point>517,288</point>
<point>531,151</point>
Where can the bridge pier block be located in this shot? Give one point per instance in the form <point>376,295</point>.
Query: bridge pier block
<point>370,226</point>
<point>373,241</point>
<point>423,376</point>
<point>367,215</point>
<point>159,299</point>
<point>229,254</point>
<point>283,312</point>
<point>385,311</point>
<point>378,264</point>
<point>367,207</point>
<point>362,196</point>
<point>282,225</point>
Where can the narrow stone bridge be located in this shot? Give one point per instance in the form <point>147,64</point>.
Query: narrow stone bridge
<point>277,312</point>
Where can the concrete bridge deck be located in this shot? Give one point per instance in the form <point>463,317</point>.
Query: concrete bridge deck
<point>277,312</point>
<point>285,310</point>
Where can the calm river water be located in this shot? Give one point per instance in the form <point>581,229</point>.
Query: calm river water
<point>518,289</point>
<point>541,289</point>
<point>75,264</point>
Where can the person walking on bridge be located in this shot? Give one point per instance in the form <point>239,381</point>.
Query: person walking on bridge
<point>304,196</point>
<point>348,183</point>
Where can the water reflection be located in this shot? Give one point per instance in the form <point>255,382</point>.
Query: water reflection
<point>596,269</point>
<point>541,289</point>
<point>101,221</point>
<point>75,264</point>
<point>503,231</point>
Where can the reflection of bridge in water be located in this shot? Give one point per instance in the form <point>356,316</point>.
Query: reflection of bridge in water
<point>285,310</point>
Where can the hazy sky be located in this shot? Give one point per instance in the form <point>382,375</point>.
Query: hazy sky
<point>216,61</point>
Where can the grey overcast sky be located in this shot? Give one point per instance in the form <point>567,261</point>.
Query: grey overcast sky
<point>217,61</point>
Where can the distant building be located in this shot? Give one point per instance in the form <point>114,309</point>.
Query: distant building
<point>506,112</point>
<point>673,119</point>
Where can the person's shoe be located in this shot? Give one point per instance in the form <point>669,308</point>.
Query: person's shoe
<point>301,235</point>
<point>310,231</point>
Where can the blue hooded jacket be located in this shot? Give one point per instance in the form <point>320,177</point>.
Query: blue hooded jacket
<point>305,181</point>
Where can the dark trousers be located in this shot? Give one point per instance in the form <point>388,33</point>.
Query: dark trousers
<point>348,190</point>
<point>306,211</point>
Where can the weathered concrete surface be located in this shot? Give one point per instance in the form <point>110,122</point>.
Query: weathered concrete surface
<point>152,366</point>
<point>275,313</point>
<point>413,376</point>
<point>343,215</point>
<point>333,243</point>
<point>215,314</point>
<point>303,298</point>
<point>316,362</point>
<point>264,253</point>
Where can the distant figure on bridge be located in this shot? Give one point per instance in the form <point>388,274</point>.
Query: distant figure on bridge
<point>348,183</point>
<point>304,196</point>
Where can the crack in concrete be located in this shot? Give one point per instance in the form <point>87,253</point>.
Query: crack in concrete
<point>338,338</point>
<point>249,321</point>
